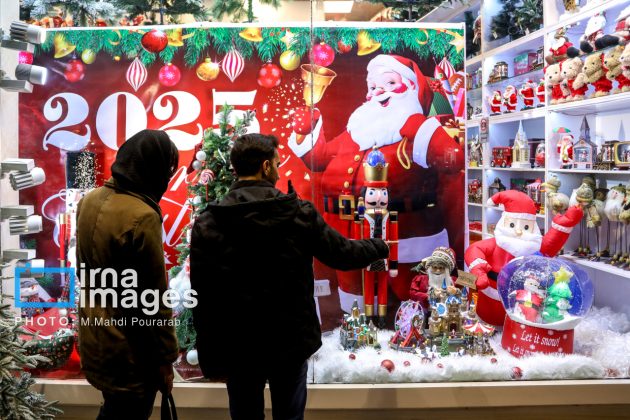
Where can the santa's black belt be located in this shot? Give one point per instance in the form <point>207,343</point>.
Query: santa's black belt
<point>332,204</point>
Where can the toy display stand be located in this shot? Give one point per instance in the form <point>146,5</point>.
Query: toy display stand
<point>521,340</point>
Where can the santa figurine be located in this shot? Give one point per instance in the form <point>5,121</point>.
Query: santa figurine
<point>435,273</point>
<point>510,99</point>
<point>593,32</point>
<point>424,164</point>
<point>621,36</point>
<point>373,220</point>
<point>529,299</point>
<point>541,93</point>
<point>495,101</point>
<point>527,93</point>
<point>561,48</point>
<point>565,151</point>
<point>516,234</point>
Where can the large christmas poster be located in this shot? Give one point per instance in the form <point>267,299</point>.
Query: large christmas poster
<point>337,98</point>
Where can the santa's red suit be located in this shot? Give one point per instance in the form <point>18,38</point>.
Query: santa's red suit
<point>486,258</point>
<point>528,304</point>
<point>419,290</point>
<point>527,92</point>
<point>576,92</point>
<point>561,227</point>
<point>425,167</point>
<point>541,93</point>
<point>495,103</point>
<point>509,99</point>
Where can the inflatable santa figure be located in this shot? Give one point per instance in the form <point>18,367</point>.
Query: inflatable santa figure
<point>516,234</point>
<point>495,101</point>
<point>425,165</point>
<point>510,99</point>
<point>541,93</point>
<point>527,93</point>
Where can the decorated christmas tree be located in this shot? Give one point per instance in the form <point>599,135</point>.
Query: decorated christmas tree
<point>212,180</point>
<point>502,24</point>
<point>17,400</point>
<point>163,11</point>
<point>444,350</point>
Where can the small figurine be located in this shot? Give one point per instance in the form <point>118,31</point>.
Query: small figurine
<point>437,268</point>
<point>565,151</point>
<point>558,201</point>
<point>475,153</point>
<point>614,73</point>
<point>561,48</point>
<point>539,158</point>
<point>541,93</point>
<point>621,36</point>
<point>509,98</point>
<point>520,149</point>
<point>571,69</point>
<point>554,79</point>
<point>495,102</point>
<point>558,297</point>
<point>593,73</point>
<point>529,300</point>
<point>527,93</point>
<point>593,32</point>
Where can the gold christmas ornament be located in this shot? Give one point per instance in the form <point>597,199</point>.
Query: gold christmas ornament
<point>88,56</point>
<point>365,44</point>
<point>251,34</point>
<point>175,37</point>
<point>316,81</point>
<point>289,60</point>
<point>62,46</point>
<point>208,70</point>
<point>116,58</point>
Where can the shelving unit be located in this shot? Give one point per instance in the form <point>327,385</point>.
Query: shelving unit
<point>608,118</point>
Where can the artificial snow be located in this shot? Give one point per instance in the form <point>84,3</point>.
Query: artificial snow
<point>601,350</point>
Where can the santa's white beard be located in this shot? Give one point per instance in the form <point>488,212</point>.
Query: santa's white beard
<point>526,244</point>
<point>373,124</point>
<point>436,280</point>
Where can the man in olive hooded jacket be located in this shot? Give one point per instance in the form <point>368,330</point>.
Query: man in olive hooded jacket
<point>251,263</point>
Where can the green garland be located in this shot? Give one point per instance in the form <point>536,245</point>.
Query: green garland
<point>221,40</point>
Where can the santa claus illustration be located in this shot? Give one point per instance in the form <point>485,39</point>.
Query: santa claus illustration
<point>509,98</point>
<point>527,93</point>
<point>425,168</point>
<point>516,234</point>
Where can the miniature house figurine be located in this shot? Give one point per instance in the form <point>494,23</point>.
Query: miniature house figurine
<point>583,149</point>
<point>605,160</point>
<point>622,154</point>
<point>501,69</point>
<point>520,150</point>
<point>356,332</point>
<point>495,187</point>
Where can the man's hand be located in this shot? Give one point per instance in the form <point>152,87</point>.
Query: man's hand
<point>166,379</point>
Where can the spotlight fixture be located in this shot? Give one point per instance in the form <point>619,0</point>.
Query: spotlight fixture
<point>23,36</point>
<point>34,74</point>
<point>25,225</point>
<point>22,173</point>
<point>18,254</point>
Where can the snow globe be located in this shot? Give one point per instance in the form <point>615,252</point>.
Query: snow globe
<point>544,298</point>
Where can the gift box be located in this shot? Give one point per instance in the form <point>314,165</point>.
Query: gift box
<point>524,63</point>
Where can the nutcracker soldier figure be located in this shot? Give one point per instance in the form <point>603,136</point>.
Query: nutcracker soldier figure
<point>373,220</point>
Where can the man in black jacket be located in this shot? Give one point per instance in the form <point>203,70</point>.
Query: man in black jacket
<point>251,263</point>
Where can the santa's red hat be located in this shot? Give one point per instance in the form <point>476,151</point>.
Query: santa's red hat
<point>517,205</point>
<point>408,69</point>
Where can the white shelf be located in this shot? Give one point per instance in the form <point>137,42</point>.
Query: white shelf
<point>585,13</point>
<point>517,169</point>
<point>527,114</point>
<point>589,171</point>
<point>472,123</point>
<point>528,42</point>
<point>594,105</point>
<point>475,168</point>
<point>475,60</point>
<point>475,204</point>
<point>478,232</point>
<point>597,266</point>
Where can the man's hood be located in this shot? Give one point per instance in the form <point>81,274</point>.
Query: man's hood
<point>255,203</point>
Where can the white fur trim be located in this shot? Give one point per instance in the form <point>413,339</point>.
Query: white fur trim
<point>490,202</point>
<point>389,62</point>
<point>563,229</point>
<point>412,250</point>
<point>308,143</point>
<point>526,216</point>
<point>422,140</point>
<point>492,293</point>
<point>476,263</point>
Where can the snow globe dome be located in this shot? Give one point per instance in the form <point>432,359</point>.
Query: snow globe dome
<point>549,293</point>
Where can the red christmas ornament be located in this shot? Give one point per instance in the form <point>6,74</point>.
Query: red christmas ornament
<point>493,360</point>
<point>25,57</point>
<point>75,71</point>
<point>154,41</point>
<point>100,22</point>
<point>343,48</point>
<point>302,122</point>
<point>440,365</point>
<point>407,363</point>
<point>352,356</point>
<point>269,76</point>
<point>169,75</point>
<point>388,364</point>
<point>322,54</point>
<point>517,372</point>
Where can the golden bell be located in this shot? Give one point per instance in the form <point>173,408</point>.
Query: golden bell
<point>251,34</point>
<point>62,46</point>
<point>365,44</point>
<point>316,80</point>
<point>175,38</point>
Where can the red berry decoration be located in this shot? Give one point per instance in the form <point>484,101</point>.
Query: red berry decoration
<point>407,363</point>
<point>493,360</point>
<point>388,364</point>
<point>517,372</point>
<point>154,41</point>
<point>269,76</point>
<point>322,54</point>
<point>169,75</point>
<point>343,48</point>
<point>352,356</point>
<point>75,71</point>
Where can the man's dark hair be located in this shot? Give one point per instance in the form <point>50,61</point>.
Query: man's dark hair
<point>250,151</point>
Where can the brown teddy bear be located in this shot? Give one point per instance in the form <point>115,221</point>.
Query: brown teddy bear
<point>553,75</point>
<point>615,70</point>
<point>594,73</point>
<point>571,68</point>
<point>625,63</point>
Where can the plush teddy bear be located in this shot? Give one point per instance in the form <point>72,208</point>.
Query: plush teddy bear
<point>593,32</point>
<point>625,62</point>
<point>571,68</point>
<point>594,73</point>
<point>553,74</point>
<point>615,69</point>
